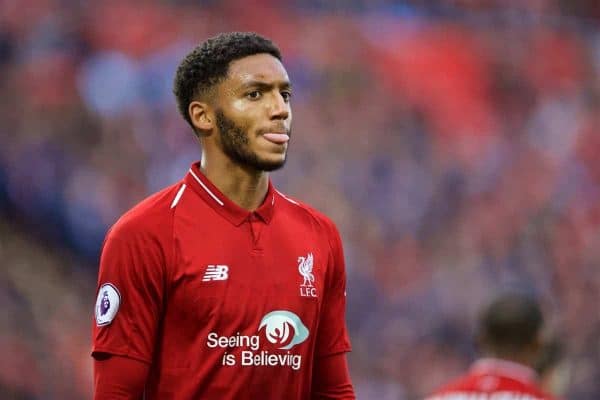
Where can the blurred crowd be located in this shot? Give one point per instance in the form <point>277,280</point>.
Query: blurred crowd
<point>455,143</point>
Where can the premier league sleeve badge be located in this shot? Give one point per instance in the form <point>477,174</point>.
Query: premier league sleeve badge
<point>107,304</point>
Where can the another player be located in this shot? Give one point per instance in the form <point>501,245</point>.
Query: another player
<point>221,287</point>
<point>510,338</point>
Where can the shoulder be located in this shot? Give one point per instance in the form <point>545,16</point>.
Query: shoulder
<point>140,244</point>
<point>297,209</point>
<point>151,217</point>
<point>462,383</point>
<point>470,383</point>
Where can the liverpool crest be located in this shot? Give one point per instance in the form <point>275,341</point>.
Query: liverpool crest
<point>305,267</point>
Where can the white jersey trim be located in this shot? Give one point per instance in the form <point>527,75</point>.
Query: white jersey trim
<point>512,369</point>
<point>206,189</point>
<point>287,198</point>
<point>178,196</point>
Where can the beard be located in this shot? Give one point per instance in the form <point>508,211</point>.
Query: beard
<point>236,145</point>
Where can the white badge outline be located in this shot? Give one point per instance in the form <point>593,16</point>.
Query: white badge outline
<point>98,299</point>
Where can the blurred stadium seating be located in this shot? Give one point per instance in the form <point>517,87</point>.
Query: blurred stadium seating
<point>455,143</point>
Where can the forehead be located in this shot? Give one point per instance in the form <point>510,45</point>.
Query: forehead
<point>257,67</point>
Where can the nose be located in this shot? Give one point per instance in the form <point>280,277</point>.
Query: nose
<point>279,108</point>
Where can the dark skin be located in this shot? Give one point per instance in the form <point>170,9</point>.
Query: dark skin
<point>527,355</point>
<point>255,98</point>
<point>243,124</point>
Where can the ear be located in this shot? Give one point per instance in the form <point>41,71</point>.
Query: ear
<point>481,343</point>
<point>538,344</point>
<point>201,116</point>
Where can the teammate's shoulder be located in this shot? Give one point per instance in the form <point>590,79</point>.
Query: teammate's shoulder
<point>303,209</point>
<point>149,215</point>
<point>466,382</point>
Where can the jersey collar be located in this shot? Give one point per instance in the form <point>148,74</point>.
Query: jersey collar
<point>510,369</point>
<point>221,204</point>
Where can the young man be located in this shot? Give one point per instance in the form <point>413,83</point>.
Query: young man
<point>509,335</point>
<point>221,287</point>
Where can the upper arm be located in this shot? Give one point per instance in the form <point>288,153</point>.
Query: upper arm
<point>331,379</point>
<point>132,273</point>
<point>332,334</point>
<point>119,378</point>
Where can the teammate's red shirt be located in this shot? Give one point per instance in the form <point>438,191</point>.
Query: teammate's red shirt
<point>221,302</point>
<point>493,379</point>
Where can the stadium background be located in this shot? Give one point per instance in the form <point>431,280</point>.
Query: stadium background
<point>455,143</point>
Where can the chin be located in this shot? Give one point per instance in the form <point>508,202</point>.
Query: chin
<point>259,162</point>
<point>269,166</point>
<point>270,161</point>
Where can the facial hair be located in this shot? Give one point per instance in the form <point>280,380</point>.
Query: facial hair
<point>236,145</point>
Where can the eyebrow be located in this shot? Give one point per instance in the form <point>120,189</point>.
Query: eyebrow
<point>265,85</point>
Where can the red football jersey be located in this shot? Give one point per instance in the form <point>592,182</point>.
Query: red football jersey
<point>221,302</point>
<point>493,379</point>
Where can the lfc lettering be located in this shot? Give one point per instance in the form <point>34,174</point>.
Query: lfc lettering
<point>308,291</point>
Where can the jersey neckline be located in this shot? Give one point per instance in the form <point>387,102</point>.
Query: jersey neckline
<point>201,185</point>
<point>506,368</point>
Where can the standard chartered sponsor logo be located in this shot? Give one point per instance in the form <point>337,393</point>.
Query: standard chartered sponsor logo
<point>250,358</point>
<point>281,328</point>
<point>500,395</point>
<point>214,340</point>
<point>278,326</point>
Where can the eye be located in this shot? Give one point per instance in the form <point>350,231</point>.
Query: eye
<point>287,95</point>
<point>253,95</point>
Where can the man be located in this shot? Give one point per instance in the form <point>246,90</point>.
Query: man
<point>510,337</point>
<point>221,287</point>
<point>553,367</point>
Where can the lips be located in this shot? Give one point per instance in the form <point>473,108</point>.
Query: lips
<point>277,138</point>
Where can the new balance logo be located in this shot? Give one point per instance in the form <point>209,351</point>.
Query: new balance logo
<point>216,273</point>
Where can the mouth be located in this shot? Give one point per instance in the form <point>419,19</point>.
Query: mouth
<point>276,137</point>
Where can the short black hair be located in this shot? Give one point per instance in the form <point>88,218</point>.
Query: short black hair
<point>208,64</point>
<point>510,323</point>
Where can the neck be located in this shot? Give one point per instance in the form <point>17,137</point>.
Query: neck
<point>524,357</point>
<point>244,186</point>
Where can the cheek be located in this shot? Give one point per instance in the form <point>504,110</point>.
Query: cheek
<point>244,117</point>
<point>239,105</point>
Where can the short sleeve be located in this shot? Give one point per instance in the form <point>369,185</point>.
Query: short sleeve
<point>332,333</point>
<point>130,293</point>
